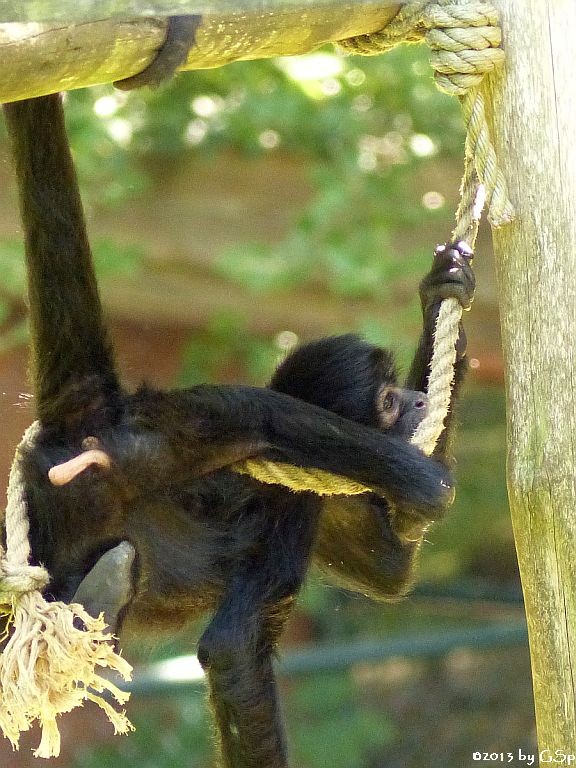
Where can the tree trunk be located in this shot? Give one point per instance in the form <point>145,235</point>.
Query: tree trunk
<point>533,115</point>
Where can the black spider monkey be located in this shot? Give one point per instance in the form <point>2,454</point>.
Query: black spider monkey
<point>132,505</point>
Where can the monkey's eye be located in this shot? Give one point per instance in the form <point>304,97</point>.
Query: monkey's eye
<point>389,406</point>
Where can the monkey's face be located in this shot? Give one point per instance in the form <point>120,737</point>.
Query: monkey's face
<point>400,411</point>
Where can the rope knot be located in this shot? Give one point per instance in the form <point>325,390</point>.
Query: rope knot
<point>465,40</point>
<point>17,579</point>
<point>465,43</point>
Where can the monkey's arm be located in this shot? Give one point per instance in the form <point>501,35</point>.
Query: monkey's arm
<point>451,276</point>
<point>209,426</point>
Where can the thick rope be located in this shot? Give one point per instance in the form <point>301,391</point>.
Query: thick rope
<point>17,577</point>
<point>441,377</point>
<point>319,481</point>
<point>47,665</point>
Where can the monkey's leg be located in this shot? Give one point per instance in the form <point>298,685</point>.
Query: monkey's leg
<point>236,648</point>
<point>208,425</point>
<point>357,548</point>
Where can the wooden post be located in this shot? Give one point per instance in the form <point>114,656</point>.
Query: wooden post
<point>534,117</point>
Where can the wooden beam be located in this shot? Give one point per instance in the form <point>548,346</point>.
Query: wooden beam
<point>533,115</point>
<point>40,58</point>
<point>72,11</point>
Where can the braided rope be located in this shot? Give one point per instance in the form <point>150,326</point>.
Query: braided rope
<point>441,376</point>
<point>17,577</point>
<point>299,479</point>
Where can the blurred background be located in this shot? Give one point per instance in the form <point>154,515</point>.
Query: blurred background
<point>233,214</point>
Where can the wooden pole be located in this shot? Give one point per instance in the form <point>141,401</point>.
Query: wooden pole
<point>40,58</point>
<point>534,114</point>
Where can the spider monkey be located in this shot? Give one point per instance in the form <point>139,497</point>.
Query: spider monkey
<point>133,507</point>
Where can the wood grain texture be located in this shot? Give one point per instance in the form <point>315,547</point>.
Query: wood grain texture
<point>534,113</point>
<point>40,58</point>
<point>73,11</point>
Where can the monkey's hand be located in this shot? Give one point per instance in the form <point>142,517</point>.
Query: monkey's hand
<point>410,524</point>
<point>451,276</point>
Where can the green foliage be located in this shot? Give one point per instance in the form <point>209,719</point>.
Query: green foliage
<point>224,345</point>
<point>341,244</point>
<point>462,543</point>
<point>365,124</point>
<point>330,725</point>
<point>367,121</point>
<point>110,259</point>
<point>106,169</point>
<point>166,736</point>
<point>12,266</point>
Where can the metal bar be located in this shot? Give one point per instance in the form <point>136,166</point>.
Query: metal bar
<point>329,659</point>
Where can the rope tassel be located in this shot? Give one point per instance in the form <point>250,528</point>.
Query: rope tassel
<point>52,652</point>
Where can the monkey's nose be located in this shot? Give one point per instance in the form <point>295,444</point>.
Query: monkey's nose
<point>420,400</point>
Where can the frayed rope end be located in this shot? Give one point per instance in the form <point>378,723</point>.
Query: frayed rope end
<point>49,666</point>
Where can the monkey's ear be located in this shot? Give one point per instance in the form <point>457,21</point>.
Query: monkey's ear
<point>108,587</point>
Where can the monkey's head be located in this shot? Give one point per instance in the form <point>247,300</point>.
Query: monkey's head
<point>354,379</point>
<point>399,411</point>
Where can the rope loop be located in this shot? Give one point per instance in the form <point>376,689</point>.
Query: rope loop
<point>51,653</point>
<point>297,479</point>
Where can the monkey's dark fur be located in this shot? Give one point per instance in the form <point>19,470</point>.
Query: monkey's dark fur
<point>205,537</point>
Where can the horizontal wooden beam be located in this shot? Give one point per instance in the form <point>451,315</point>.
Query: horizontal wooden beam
<point>69,11</point>
<point>38,58</point>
